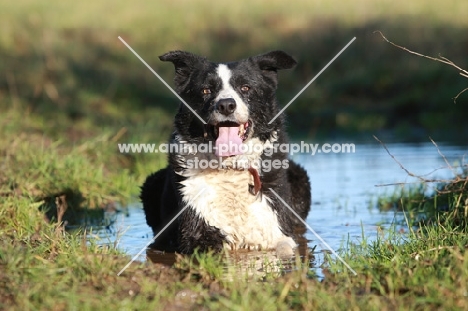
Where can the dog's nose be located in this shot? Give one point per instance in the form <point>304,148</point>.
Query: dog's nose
<point>226,106</point>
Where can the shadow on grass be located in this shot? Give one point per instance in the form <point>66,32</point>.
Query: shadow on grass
<point>69,209</point>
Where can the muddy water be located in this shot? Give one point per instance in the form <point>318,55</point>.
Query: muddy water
<point>345,187</point>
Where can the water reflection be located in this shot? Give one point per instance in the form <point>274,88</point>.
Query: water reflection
<point>344,192</point>
<point>251,261</point>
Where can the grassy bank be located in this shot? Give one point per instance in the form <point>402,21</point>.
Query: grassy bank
<point>44,268</point>
<point>435,202</point>
<point>42,161</point>
<point>66,56</point>
<point>70,92</point>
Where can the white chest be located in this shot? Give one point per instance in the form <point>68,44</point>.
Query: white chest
<point>247,220</point>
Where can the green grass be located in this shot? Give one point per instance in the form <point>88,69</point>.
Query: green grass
<point>65,56</point>
<point>422,271</point>
<point>143,15</point>
<point>445,203</point>
<point>41,162</point>
<point>42,267</point>
<point>70,91</point>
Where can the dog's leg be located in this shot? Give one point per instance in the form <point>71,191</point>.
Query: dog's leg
<point>159,204</point>
<point>300,186</point>
<point>197,234</point>
<point>151,193</point>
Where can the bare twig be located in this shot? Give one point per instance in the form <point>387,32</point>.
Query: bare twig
<point>441,59</point>
<point>443,157</point>
<point>401,165</point>
<point>456,179</point>
<point>461,92</point>
<point>401,183</point>
<point>438,59</point>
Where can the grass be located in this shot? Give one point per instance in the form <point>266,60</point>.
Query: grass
<point>70,92</point>
<point>444,203</point>
<point>41,163</point>
<point>66,56</point>
<point>426,270</point>
<point>43,267</point>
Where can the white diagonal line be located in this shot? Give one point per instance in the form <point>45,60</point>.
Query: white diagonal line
<point>162,80</point>
<point>313,231</point>
<point>313,79</point>
<point>157,235</point>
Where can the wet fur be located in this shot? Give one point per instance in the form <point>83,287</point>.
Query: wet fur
<point>227,215</point>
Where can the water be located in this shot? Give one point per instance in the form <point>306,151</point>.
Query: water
<point>345,187</point>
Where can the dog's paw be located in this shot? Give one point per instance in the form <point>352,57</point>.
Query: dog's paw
<point>285,248</point>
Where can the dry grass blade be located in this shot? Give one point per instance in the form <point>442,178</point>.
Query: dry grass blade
<point>61,203</point>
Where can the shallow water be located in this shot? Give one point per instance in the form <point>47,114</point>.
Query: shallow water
<point>345,187</point>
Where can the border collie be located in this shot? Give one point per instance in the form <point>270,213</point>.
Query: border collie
<point>222,171</point>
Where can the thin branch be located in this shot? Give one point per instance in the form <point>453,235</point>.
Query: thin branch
<point>419,177</point>
<point>401,165</point>
<point>443,157</point>
<point>437,59</point>
<point>463,91</point>
<point>441,59</point>
<point>428,181</point>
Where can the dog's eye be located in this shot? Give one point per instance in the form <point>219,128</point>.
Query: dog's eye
<point>206,91</point>
<point>245,88</point>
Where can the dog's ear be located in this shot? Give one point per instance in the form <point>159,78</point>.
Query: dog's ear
<point>184,63</point>
<point>275,60</point>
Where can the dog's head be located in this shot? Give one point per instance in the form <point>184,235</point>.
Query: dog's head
<point>236,99</point>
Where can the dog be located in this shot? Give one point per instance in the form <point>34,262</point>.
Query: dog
<point>225,188</point>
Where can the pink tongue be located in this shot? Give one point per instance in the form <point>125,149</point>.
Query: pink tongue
<point>228,142</point>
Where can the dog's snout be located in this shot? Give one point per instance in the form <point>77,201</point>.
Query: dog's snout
<point>226,106</point>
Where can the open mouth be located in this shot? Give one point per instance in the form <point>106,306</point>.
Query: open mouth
<point>242,129</point>
<point>230,136</point>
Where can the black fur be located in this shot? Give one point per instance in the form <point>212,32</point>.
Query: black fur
<point>160,193</point>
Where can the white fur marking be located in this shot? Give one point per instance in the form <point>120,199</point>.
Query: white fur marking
<point>242,111</point>
<point>245,219</point>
